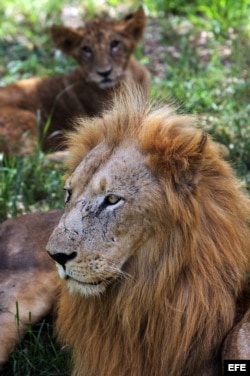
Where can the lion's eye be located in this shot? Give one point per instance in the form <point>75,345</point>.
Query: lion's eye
<point>67,196</point>
<point>87,50</point>
<point>114,44</point>
<point>112,199</point>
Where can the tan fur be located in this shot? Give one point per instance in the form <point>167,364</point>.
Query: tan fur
<point>153,246</point>
<point>27,276</point>
<point>43,107</point>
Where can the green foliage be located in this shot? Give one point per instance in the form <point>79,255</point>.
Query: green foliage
<point>207,74</point>
<point>225,13</point>
<point>221,13</point>
<point>28,15</point>
<point>29,183</point>
<point>38,354</point>
<point>30,52</point>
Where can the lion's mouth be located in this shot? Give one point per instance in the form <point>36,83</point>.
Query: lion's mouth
<point>97,283</point>
<point>106,281</point>
<point>67,276</point>
<point>107,83</point>
<point>92,283</point>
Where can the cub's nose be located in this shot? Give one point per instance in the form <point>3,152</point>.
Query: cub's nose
<point>62,258</point>
<point>104,72</point>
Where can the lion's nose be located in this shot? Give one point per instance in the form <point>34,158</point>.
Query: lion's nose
<point>104,72</point>
<point>62,258</point>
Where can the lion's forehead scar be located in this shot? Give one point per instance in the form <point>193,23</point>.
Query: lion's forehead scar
<point>86,169</point>
<point>122,168</point>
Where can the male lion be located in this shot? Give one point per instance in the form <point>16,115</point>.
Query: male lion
<point>153,249</point>
<point>103,50</point>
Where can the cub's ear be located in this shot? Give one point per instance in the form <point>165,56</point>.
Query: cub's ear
<point>133,24</point>
<point>65,38</point>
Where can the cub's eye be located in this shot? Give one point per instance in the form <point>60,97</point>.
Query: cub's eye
<point>114,44</point>
<point>112,199</point>
<point>87,50</point>
<point>67,196</point>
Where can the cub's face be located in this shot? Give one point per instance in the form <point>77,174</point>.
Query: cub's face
<point>102,48</point>
<point>108,218</point>
<point>103,57</point>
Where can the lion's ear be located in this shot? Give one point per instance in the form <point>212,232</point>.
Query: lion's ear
<point>186,162</point>
<point>133,24</point>
<point>175,150</point>
<point>65,38</point>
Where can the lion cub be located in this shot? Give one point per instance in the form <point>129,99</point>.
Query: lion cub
<point>103,50</point>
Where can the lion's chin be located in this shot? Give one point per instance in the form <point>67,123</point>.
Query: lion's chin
<point>106,84</point>
<point>86,289</point>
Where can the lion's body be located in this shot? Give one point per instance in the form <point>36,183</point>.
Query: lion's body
<point>153,246</point>
<point>103,51</point>
<point>28,278</point>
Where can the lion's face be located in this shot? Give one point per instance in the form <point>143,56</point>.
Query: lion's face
<point>103,56</point>
<point>102,48</point>
<point>107,218</point>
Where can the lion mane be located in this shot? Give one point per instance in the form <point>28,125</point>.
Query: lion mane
<point>170,312</point>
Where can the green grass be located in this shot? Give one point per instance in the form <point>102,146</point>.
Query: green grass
<point>208,75</point>
<point>28,184</point>
<point>38,354</point>
<point>198,53</point>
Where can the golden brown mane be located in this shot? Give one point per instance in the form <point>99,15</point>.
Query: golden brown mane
<point>171,317</point>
